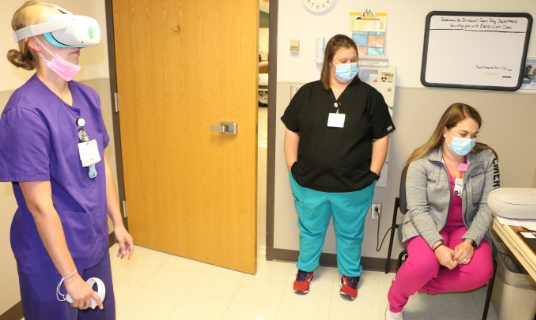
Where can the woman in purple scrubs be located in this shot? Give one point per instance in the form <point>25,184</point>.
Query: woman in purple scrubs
<point>52,140</point>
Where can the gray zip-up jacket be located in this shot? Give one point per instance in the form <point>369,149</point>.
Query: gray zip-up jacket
<point>428,196</point>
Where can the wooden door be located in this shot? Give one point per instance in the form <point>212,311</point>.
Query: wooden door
<point>182,66</point>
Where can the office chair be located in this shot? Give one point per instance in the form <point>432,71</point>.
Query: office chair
<point>401,205</point>
<point>404,253</point>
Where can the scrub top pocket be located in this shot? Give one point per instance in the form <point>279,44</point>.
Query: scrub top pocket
<point>79,233</point>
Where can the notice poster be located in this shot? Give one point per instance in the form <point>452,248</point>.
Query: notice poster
<point>368,32</point>
<point>529,75</point>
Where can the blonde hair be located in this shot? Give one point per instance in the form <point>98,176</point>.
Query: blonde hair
<point>32,12</point>
<point>455,113</point>
<point>334,44</point>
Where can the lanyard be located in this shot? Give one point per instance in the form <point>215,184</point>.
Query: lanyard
<point>462,168</point>
<point>84,139</point>
<point>458,182</point>
<point>82,135</point>
<point>336,119</point>
<point>337,106</point>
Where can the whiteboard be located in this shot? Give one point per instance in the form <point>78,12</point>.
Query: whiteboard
<point>475,50</point>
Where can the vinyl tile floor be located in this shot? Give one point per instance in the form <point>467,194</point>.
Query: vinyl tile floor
<point>156,285</point>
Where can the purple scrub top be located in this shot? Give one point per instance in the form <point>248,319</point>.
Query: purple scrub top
<point>39,142</point>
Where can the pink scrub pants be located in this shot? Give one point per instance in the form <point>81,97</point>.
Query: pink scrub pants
<point>421,272</point>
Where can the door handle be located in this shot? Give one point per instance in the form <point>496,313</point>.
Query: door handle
<point>225,127</point>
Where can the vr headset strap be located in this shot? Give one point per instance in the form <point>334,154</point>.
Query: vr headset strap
<point>38,29</point>
<point>42,28</point>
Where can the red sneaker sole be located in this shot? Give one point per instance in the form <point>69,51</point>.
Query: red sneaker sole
<point>301,292</point>
<point>346,295</point>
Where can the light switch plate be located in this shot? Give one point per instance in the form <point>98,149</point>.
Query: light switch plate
<point>294,46</point>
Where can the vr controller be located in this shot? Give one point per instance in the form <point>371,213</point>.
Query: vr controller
<point>101,291</point>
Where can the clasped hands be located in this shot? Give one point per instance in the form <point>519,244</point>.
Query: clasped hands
<point>462,254</point>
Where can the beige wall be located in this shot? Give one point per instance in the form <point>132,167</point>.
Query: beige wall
<point>9,281</point>
<point>534,180</point>
<point>94,62</point>
<point>508,116</point>
<point>404,38</point>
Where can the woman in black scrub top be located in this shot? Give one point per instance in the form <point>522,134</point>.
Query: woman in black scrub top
<point>336,139</point>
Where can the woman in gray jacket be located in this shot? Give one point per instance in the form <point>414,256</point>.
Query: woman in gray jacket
<point>447,182</point>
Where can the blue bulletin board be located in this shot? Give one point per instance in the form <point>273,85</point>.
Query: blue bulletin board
<point>475,50</point>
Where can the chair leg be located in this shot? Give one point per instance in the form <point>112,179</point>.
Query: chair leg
<point>402,254</point>
<point>389,250</point>
<point>490,290</point>
<point>393,227</point>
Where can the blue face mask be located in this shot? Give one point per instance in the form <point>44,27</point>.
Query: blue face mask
<point>461,146</point>
<point>346,72</point>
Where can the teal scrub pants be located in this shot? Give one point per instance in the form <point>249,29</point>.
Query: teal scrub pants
<point>315,209</point>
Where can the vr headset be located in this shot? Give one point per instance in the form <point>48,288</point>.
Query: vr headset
<point>64,30</point>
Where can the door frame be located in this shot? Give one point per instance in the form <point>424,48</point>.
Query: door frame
<point>272,94</point>
<point>108,8</point>
<point>272,99</point>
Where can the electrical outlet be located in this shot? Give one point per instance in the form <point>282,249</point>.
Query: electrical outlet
<point>375,211</point>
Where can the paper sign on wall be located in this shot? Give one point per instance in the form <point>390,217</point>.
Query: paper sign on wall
<point>368,32</point>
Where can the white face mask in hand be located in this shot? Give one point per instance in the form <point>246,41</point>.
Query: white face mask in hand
<point>63,68</point>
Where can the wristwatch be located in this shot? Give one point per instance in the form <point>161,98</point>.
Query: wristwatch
<point>473,243</point>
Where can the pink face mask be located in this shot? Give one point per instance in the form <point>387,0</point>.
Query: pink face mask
<point>63,68</point>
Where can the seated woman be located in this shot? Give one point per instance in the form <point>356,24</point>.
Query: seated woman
<point>447,181</point>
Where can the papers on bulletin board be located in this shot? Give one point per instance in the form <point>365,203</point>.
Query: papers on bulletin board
<point>368,32</point>
<point>529,75</point>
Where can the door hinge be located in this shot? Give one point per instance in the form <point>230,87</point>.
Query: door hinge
<point>116,101</point>
<point>125,212</point>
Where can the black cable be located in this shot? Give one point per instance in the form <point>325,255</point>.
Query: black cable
<point>378,233</point>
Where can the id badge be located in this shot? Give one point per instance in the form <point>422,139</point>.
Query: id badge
<point>89,153</point>
<point>458,187</point>
<point>336,120</point>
